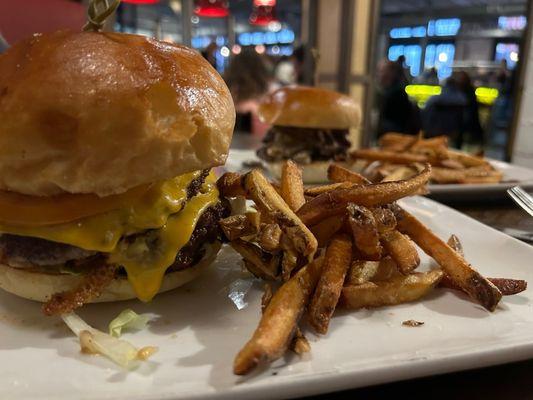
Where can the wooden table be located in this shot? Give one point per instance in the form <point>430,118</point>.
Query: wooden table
<point>508,381</point>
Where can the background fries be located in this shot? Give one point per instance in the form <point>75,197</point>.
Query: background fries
<point>339,174</point>
<point>397,151</point>
<point>278,323</point>
<point>336,264</point>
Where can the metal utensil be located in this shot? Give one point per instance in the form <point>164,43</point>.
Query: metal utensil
<point>522,198</point>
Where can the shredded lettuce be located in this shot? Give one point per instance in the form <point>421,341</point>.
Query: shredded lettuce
<point>127,319</point>
<point>92,340</point>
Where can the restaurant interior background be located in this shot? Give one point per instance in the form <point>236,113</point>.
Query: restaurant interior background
<point>462,69</point>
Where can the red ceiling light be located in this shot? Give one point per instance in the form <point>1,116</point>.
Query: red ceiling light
<point>263,15</point>
<point>211,8</point>
<point>264,3</point>
<point>141,1</point>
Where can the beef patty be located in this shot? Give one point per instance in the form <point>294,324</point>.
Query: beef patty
<point>304,145</point>
<point>31,253</point>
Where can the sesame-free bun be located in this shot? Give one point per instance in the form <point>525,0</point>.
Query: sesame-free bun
<point>309,107</point>
<point>87,112</point>
<point>40,286</point>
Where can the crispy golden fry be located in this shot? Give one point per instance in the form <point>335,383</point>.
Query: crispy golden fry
<point>365,271</point>
<point>446,175</point>
<point>396,141</point>
<point>325,229</point>
<point>292,187</point>
<point>328,289</point>
<point>507,286</point>
<point>471,281</point>
<point>270,202</point>
<point>339,174</point>
<point>299,343</point>
<point>385,219</point>
<point>258,262</point>
<point>388,156</point>
<point>487,177</point>
<point>466,159</point>
<point>450,163</point>
<point>254,218</point>
<point>269,237</point>
<point>364,231</point>
<point>398,290</point>
<point>237,226</point>
<point>402,250</point>
<point>231,185</point>
<point>318,190</point>
<point>278,323</point>
<point>334,202</point>
<point>401,172</point>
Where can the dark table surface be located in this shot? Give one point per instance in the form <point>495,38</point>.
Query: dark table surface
<point>508,381</point>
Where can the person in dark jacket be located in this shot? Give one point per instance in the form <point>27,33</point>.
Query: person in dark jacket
<point>471,125</point>
<point>396,112</point>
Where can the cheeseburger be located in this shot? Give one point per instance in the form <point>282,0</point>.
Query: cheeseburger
<point>310,126</point>
<point>106,147</point>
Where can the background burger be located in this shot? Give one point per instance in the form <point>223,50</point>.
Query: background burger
<point>310,126</point>
<point>106,146</point>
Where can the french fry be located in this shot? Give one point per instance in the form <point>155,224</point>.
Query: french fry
<point>364,271</point>
<point>364,231</point>
<point>292,187</point>
<point>396,141</point>
<point>388,156</point>
<point>289,262</point>
<point>402,250</point>
<point>299,343</point>
<point>237,226</point>
<point>398,290</point>
<point>269,237</point>
<point>259,263</point>
<point>401,172</point>
<point>328,289</point>
<point>278,323</point>
<point>324,230</point>
<point>334,202</point>
<point>318,190</point>
<point>339,174</point>
<point>446,175</point>
<point>385,219</point>
<point>231,185</point>
<point>471,281</point>
<point>506,286</point>
<point>466,159</point>
<point>270,202</point>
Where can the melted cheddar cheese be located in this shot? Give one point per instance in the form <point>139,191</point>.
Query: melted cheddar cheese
<point>164,209</point>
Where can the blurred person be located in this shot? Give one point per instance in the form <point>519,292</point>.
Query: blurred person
<point>396,112</point>
<point>429,77</point>
<point>444,113</point>
<point>405,75</point>
<point>249,78</point>
<point>471,125</point>
<point>209,54</point>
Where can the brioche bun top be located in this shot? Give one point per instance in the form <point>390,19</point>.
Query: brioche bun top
<point>88,112</point>
<point>310,107</point>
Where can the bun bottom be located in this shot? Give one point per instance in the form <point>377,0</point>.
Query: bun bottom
<point>313,173</point>
<point>40,286</point>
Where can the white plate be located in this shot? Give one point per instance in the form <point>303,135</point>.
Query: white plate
<point>199,330</point>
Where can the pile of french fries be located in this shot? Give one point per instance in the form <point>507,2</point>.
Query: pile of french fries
<point>401,156</point>
<point>346,244</point>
